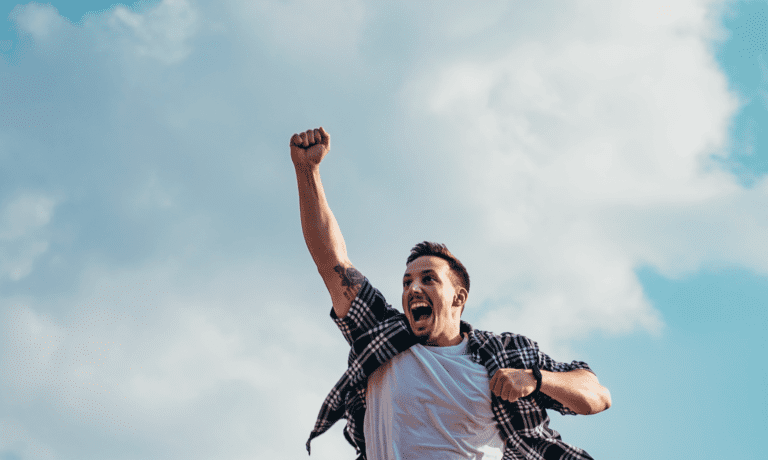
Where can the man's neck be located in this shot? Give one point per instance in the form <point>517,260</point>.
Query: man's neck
<point>447,342</point>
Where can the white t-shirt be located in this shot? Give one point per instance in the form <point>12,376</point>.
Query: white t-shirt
<point>431,403</point>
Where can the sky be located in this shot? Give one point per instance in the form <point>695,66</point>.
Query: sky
<point>599,168</point>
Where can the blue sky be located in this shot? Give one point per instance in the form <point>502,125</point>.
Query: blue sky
<point>599,168</point>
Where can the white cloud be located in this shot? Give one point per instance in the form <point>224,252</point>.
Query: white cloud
<point>161,33</point>
<point>18,261</point>
<point>585,154</point>
<point>309,33</point>
<point>41,21</point>
<point>140,348</point>
<point>27,374</point>
<point>22,241</point>
<point>24,214</point>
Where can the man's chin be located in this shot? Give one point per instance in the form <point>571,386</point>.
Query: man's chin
<point>422,338</point>
<point>422,331</point>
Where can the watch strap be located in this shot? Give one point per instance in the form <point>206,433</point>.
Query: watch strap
<point>537,375</point>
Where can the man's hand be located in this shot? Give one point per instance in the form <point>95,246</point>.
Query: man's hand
<point>309,148</point>
<point>513,384</point>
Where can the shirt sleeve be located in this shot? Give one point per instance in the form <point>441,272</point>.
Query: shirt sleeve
<point>546,363</point>
<point>367,310</point>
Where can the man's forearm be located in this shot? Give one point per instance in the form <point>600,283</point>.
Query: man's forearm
<point>578,390</point>
<point>321,231</point>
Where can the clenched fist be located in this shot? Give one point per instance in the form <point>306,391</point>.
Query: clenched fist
<point>309,148</point>
<point>513,384</point>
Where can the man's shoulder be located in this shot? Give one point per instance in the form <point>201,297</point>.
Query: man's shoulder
<point>490,335</point>
<point>503,349</point>
<point>484,338</point>
<point>368,311</point>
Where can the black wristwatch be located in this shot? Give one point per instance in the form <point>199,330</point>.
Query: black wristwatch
<point>537,375</point>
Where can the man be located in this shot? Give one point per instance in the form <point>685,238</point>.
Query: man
<point>423,384</point>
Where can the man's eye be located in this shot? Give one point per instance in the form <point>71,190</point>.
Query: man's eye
<point>406,283</point>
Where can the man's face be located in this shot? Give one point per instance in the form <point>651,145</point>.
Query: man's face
<point>431,302</point>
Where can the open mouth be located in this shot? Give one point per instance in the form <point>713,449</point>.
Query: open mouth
<point>421,312</point>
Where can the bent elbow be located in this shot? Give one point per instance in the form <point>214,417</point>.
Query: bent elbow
<point>601,400</point>
<point>594,402</point>
<point>607,399</point>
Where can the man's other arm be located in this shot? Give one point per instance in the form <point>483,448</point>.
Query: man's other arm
<point>321,231</point>
<point>578,390</point>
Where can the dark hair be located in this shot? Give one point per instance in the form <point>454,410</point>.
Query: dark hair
<point>427,248</point>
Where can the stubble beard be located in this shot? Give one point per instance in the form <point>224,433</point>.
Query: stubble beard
<point>423,339</point>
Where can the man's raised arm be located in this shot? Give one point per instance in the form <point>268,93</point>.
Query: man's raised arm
<point>321,231</point>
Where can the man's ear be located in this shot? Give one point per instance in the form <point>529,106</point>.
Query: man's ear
<point>460,298</point>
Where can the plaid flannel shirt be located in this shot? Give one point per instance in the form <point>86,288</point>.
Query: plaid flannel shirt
<point>377,332</point>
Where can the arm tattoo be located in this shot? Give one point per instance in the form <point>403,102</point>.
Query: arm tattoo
<point>351,279</point>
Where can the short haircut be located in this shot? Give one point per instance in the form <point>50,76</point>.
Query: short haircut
<point>458,271</point>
